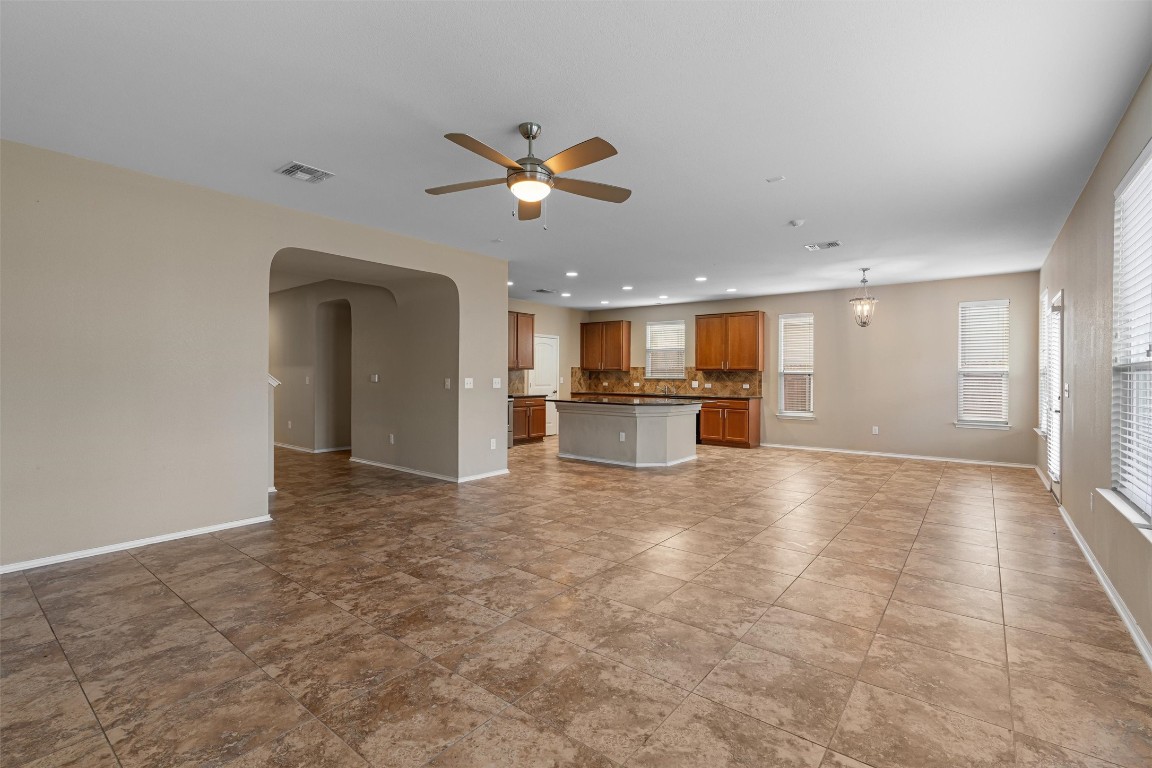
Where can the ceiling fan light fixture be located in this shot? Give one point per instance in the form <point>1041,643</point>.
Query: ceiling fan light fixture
<point>530,186</point>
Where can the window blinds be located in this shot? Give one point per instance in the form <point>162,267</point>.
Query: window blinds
<point>797,360</point>
<point>1132,340</point>
<point>1055,337</point>
<point>665,358</point>
<point>982,386</point>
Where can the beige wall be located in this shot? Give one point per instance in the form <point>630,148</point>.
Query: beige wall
<point>898,374</point>
<point>562,322</point>
<point>333,375</point>
<point>134,350</point>
<point>1080,264</point>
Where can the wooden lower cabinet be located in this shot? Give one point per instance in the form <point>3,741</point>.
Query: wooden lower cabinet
<point>730,422</point>
<point>529,418</point>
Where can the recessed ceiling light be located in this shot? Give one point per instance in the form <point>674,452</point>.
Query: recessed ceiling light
<point>626,288</point>
<point>604,302</point>
<point>511,283</point>
<point>729,290</point>
<point>566,295</point>
<point>570,274</point>
<point>701,279</point>
<point>661,297</point>
<point>774,179</point>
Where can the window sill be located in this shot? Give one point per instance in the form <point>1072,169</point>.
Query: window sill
<point>1040,432</point>
<point>665,378</point>
<point>1125,508</point>
<point>980,425</point>
<point>796,416</point>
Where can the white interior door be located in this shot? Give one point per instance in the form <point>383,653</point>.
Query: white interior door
<point>1056,392</point>
<point>544,379</point>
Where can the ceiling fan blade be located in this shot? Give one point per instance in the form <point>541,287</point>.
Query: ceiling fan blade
<point>482,149</point>
<point>596,191</point>
<point>584,153</point>
<point>463,186</point>
<point>526,210</point>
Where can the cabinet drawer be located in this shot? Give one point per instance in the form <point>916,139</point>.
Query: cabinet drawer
<point>737,405</point>
<point>529,402</point>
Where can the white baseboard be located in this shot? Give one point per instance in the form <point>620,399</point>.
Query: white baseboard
<point>1126,616</point>
<point>481,476</point>
<point>625,463</point>
<point>332,450</point>
<point>54,559</point>
<point>399,468</point>
<point>898,455</point>
<point>271,489</point>
<point>1044,478</point>
<point>291,447</point>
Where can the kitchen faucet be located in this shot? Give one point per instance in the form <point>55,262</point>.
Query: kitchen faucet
<point>666,389</point>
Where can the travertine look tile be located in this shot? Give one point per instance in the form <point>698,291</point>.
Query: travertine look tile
<point>90,752</point>
<point>862,578</point>
<point>785,538</point>
<point>667,649</point>
<point>603,704</point>
<point>786,561</point>
<point>891,558</point>
<point>789,694</point>
<point>877,536</point>
<point>947,596</point>
<point>953,571</point>
<point>888,730</point>
<point>1075,594</point>
<point>672,562</point>
<point>581,617</point>
<point>702,543</point>
<point>963,635</point>
<point>456,570</point>
<point>632,586</point>
<point>1070,623</point>
<point>609,546</point>
<point>1081,665</point>
<point>377,600</point>
<point>846,606</point>
<point>567,566</point>
<point>701,734</point>
<point>512,591</point>
<point>1047,566</point>
<point>511,659</point>
<point>279,636</point>
<point>391,725</point>
<point>1096,724</point>
<point>719,612</point>
<point>820,642</point>
<point>1035,753</point>
<point>514,737</point>
<point>35,724</point>
<point>745,581</point>
<point>957,550</point>
<point>946,680</point>
<point>312,745</point>
<point>435,626</point>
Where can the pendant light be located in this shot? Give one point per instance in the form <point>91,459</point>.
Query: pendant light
<point>864,305</point>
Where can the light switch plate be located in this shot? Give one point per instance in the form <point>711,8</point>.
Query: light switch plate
<point>747,386</point>
<point>374,378</point>
<point>695,385</point>
<point>496,382</point>
<point>468,383</point>
<point>447,383</point>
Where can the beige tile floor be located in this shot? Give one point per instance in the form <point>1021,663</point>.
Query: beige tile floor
<point>754,608</point>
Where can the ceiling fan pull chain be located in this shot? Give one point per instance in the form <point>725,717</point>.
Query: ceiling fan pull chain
<point>545,214</point>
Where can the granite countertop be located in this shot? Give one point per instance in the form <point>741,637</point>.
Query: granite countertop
<point>668,397</point>
<point>623,400</point>
<point>513,397</point>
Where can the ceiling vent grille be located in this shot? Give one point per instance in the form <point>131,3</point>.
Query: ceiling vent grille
<point>544,290</point>
<point>822,246</point>
<point>304,173</point>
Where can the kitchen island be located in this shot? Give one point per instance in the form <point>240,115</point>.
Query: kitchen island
<point>628,431</point>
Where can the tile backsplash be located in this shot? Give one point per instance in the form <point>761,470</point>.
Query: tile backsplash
<point>724,383</point>
<point>517,382</point>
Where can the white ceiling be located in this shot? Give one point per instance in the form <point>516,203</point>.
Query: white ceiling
<point>934,139</point>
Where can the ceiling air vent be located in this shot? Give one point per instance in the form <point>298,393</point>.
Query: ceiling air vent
<point>822,246</point>
<point>304,173</point>
<point>545,290</point>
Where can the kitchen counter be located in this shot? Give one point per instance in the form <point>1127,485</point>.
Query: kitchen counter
<point>667,397</point>
<point>628,431</point>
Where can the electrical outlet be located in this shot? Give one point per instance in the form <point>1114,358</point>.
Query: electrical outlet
<point>635,383</point>
<point>707,385</point>
<point>621,437</point>
<point>447,383</point>
<point>468,383</point>
<point>307,379</point>
<point>374,378</point>
<point>496,382</point>
<point>492,443</point>
<point>695,385</point>
<point>605,383</point>
<point>391,439</point>
<point>875,430</point>
<point>289,425</point>
<point>747,386</point>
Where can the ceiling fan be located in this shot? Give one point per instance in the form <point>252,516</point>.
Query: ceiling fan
<point>532,179</point>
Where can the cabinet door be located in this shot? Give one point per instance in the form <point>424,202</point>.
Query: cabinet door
<point>525,340</point>
<point>512,366</point>
<point>710,342</point>
<point>711,424</point>
<point>537,421</point>
<point>617,345</point>
<point>745,337</point>
<point>592,346</point>
<point>735,426</point>
<point>519,423</point>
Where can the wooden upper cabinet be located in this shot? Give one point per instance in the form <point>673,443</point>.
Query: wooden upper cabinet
<point>730,342</point>
<point>606,346</point>
<point>521,341</point>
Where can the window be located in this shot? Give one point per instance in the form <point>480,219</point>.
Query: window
<point>665,358</point>
<point>1132,338</point>
<point>797,355</point>
<point>982,381</point>
<point>1042,379</point>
